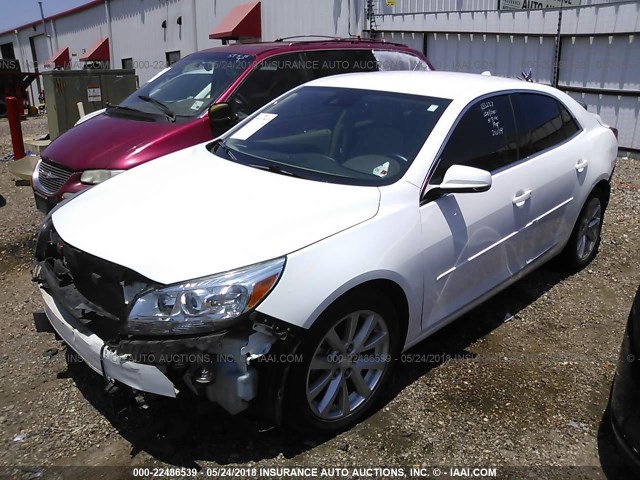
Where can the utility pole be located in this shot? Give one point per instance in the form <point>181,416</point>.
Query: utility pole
<point>44,27</point>
<point>556,55</point>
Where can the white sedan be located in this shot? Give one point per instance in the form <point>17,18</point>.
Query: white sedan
<point>287,264</point>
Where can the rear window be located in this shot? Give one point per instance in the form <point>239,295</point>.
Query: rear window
<point>542,122</point>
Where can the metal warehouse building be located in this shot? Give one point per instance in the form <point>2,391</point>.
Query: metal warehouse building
<point>590,50</point>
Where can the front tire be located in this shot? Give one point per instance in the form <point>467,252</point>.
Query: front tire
<point>584,242</point>
<point>347,358</point>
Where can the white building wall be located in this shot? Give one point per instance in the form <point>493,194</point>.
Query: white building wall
<point>208,14</point>
<point>137,33</point>
<point>79,32</point>
<point>285,18</point>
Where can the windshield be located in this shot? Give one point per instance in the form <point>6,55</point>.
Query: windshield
<point>191,85</point>
<point>338,135</point>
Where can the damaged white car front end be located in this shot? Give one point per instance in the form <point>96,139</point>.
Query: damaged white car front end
<point>201,335</point>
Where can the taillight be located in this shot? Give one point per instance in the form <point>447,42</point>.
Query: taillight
<point>615,131</point>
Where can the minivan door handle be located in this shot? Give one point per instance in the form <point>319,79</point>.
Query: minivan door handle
<point>521,197</point>
<point>581,165</point>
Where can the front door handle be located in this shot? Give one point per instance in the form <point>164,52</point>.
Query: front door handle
<point>521,197</point>
<point>581,165</point>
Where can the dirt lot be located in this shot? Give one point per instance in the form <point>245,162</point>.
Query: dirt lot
<point>521,381</point>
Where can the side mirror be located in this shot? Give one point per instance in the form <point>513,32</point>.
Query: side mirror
<point>220,117</point>
<point>463,179</point>
<point>460,179</point>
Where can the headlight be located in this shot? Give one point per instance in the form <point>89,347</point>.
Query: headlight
<point>93,177</point>
<point>203,304</point>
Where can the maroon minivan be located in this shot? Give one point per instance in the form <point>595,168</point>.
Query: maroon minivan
<point>197,99</point>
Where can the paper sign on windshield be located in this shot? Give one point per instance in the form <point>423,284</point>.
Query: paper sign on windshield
<point>253,126</point>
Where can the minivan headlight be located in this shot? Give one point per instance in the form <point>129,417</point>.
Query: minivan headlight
<point>203,304</point>
<point>93,177</point>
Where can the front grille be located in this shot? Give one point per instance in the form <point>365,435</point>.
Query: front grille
<point>52,176</point>
<point>89,288</point>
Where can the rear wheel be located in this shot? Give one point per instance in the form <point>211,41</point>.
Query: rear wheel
<point>583,245</point>
<point>347,358</point>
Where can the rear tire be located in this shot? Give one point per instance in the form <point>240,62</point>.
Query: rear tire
<point>584,242</point>
<point>347,359</point>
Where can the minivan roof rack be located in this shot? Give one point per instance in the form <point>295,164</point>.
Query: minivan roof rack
<point>329,38</point>
<point>282,39</point>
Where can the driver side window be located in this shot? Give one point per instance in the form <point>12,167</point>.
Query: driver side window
<point>485,137</point>
<point>273,77</point>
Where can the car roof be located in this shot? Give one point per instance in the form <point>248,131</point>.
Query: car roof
<point>450,85</point>
<point>285,45</point>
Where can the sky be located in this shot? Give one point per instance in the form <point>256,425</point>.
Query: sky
<point>14,13</point>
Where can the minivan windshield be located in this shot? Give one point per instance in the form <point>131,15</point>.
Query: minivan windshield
<point>190,86</point>
<point>337,135</point>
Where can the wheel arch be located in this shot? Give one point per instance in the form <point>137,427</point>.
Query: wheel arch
<point>385,284</point>
<point>603,186</point>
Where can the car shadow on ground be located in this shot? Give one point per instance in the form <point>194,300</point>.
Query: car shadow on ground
<point>452,342</point>
<point>183,432</point>
<point>611,458</point>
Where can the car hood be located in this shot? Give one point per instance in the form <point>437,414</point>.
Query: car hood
<point>119,143</point>
<point>192,214</point>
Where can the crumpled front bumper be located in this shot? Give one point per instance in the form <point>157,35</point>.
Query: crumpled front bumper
<point>101,358</point>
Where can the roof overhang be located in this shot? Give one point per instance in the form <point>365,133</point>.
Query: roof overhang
<point>243,21</point>
<point>98,53</point>
<point>60,59</point>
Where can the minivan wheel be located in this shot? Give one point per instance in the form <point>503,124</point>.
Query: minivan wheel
<point>585,238</point>
<point>346,360</point>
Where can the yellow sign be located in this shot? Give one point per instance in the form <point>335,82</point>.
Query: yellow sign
<point>391,3</point>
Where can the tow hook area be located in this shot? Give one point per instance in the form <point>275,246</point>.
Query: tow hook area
<point>231,381</point>
<point>220,366</point>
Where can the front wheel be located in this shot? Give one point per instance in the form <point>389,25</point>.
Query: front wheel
<point>585,238</point>
<point>347,358</point>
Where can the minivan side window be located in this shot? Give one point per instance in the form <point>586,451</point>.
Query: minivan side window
<point>485,137</point>
<point>324,63</point>
<point>542,122</point>
<point>273,77</point>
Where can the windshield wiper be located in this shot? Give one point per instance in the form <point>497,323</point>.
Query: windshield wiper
<point>166,110</point>
<point>122,107</point>
<point>227,150</point>
<point>274,169</point>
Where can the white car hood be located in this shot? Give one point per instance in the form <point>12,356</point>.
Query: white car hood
<point>191,214</point>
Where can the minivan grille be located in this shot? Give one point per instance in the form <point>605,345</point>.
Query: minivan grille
<point>52,177</point>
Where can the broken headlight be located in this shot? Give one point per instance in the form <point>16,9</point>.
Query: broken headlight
<point>203,304</point>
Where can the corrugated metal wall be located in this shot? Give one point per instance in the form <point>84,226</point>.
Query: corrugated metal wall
<point>422,6</point>
<point>599,56</point>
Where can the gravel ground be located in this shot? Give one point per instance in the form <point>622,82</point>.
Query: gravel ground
<point>523,380</point>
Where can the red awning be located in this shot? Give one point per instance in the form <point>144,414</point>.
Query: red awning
<point>60,59</point>
<point>243,21</point>
<point>98,53</point>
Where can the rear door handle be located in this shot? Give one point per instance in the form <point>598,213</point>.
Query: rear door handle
<point>521,197</point>
<point>581,165</point>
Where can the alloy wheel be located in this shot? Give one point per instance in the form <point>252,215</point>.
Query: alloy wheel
<point>589,230</point>
<point>348,365</point>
